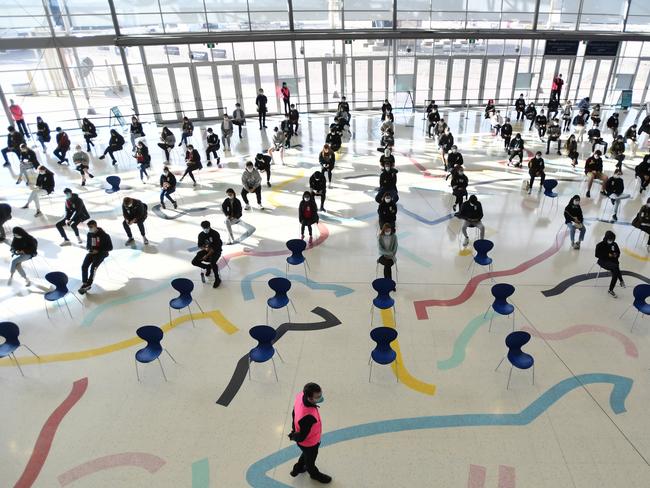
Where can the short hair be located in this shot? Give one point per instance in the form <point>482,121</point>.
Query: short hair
<point>127,200</point>
<point>249,164</point>
<point>311,388</point>
<point>230,190</point>
<point>92,223</point>
<point>67,190</point>
<point>205,224</point>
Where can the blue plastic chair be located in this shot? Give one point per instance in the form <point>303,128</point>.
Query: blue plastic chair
<point>517,358</point>
<point>549,186</point>
<point>60,282</point>
<point>10,332</point>
<point>501,292</point>
<point>297,247</point>
<point>383,353</point>
<point>184,299</point>
<point>482,248</point>
<point>280,300</point>
<point>641,294</point>
<point>264,335</point>
<point>114,181</point>
<point>152,351</point>
<point>383,300</point>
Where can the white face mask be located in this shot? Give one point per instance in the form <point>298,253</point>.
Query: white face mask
<point>387,200</point>
<point>206,231</point>
<point>386,232</point>
<point>306,199</point>
<point>250,170</point>
<point>610,242</point>
<point>17,236</point>
<point>232,197</point>
<point>576,202</point>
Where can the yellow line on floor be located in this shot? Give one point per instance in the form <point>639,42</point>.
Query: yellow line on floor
<point>216,316</point>
<point>280,186</point>
<point>405,377</point>
<point>635,255</point>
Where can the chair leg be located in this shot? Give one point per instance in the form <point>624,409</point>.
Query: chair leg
<point>372,315</point>
<point>191,316</point>
<point>305,266</point>
<point>370,373</point>
<point>278,353</point>
<point>396,370</point>
<point>66,306</point>
<point>626,310</point>
<point>199,305</point>
<point>395,315</point>
<point>286,271</point>
<point>137,374</point>
<point>486,311</point>
<point>170,314</point>
<point>509,376</point>
<point>30,350</point>
<point>47,312</point>
<point>161,369</point>
<point>513,320</point>
<point>78,299</point>
<point>169,354</point>
<point>499,363</point>
<point>274,370</point>
<point>294,307</point>
<point>288,314</point>
<point>635,318</point>
<point>267,314</point>
<point>533,374</point>
<point>17,364</point>
<point>249,368</point>
<point>490,327</point>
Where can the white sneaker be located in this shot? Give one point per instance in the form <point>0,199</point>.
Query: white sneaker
<point>247,207</point>
<point>79,240</point>
<point>66,243</point>
<point>27,282</point>
<point>230,242</point>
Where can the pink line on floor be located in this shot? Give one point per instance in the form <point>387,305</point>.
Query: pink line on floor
<point>630,347</point>
<point>422,305</point>
<point>506,477</point>
<point>476,476</point>
<point>46,436</point>
<point>139,459</point>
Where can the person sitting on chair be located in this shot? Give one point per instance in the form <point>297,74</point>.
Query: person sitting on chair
<point>459,183</point>
<point>594,170</point>
<point>115,143</point>
<point>387,211</point>
<point>134,212</point>
<point>607,254</point>
<point>232,209</point>
<point>98,245</point>
<point>387,244</point>
<point>575,221</point>
<point>642,221</point>
<point>318,186</point>
<point>23,248</point>
<point>516,150</point>
<point>536,168</point>
<point>642,171</point>
<point>614,190</point>
<point>472,213</point>
<point>192,162</point>
<point>210,246</point>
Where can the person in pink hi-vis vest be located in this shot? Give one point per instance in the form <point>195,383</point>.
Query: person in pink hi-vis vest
<point>556,87</point>
<point>306,431</point>
<point>286,96</point>
<point>17,114</point>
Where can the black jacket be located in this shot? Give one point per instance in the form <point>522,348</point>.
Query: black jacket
<point>645,126</point>
<point>211,240</point>
<point>263,163</point>
<point>535,165</point>
<point>171,179</point>
<point>471,212</point>
<point>5,212</point>
<point>232,208</point>
<point>530,112</point>
<point>27,244</point>
<point>75,209</point>
<point>261,102</point>
<point>343,107</point>
<point>193,158</point>
<point>554,132</point>
<point>327,162</point>
<point>387,212</point>
<point>612,122</point>
<point>294,115</point>
<point>116,140</point>
<point>520,104</point>
<point>617,148</point>
<point>630,134</point>
<point>593,133</point>
<point>593,164</point>
<point>213,140</point>
<point>455,158</point>
<point>137,129</point>
<point>138,211</point>
<point>642,219</point>
<point>572,212</point>
<point>386,107</point>
<point>99,241</point>
<point>318,184</point>
<point>459,184</point>
<point>433,117</point>
<point>506,130</point>
<point>388,180</point>
<point>334,140</point>
<point>314,212</point>
<point>383,159</point>
<point>46,181</point>
<point>89,128</point>
<point>517,145</point>
<point>446,141</point>
<point>30,156</point>
<point>14,140</point>
<point>188,127</point>
<point>603,251</point>
<point>614,186</point>
<point>541,120</point>
<point>43,130</point>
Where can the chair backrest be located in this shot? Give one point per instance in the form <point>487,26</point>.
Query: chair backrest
<point>263,334</point>
<point>183,286</point>
<point>516,340</point>
<point>58,279</point>
<point>383,286</point>
<point>114,181</point>
<point>150,333</point>
<point>10,332</point>
<point>280,285</point>
<point>383,336</point>
<point>549,185</point>
<point>483,246</point>
<point>641,293</point>
<point>296,246</point>
<point>501,291</point>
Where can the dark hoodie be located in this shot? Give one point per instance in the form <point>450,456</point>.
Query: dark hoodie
<point>572,212</point>
<point>317,182</point>
<point>471,210</point>
<point>606,252</point>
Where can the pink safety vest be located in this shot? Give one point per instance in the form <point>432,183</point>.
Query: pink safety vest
<point>300,411</point>
<point>16,112</point>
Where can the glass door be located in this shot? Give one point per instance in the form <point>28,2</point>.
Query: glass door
<point>440,84</point>
<point>641,82</point>
<point>208,83</point>
<point>456,85</point>
<point>325,83</point>
<point>361,83</point>
<point>266,79</point>
<point>185,93</point>
<point>473,81</point>
<point>333,83</point>
<point>422,81</point>
<point>229,91</point>
<point>601,81</point>
<point>379,82</point>
<point>163,96</point>
<point>315,85</point>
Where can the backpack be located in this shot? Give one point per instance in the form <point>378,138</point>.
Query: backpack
<point>64,141</point>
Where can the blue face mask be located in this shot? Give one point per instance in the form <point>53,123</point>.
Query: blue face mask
<point>321,399</point>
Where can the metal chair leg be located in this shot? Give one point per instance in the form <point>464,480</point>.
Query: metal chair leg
<point>491,318</point>
<point>136,370</point>
<point>509,376</point>
<point>191,316</point>
<point>267,314</point>
<point>169,354</point>
<point>372,315</point>
<point>66,306</point>
<point>499,363</point>
<point>288,314</point>
<point>635,318</point>
<point>278,353</point>
<point>396,369</point>
<point>30,350</point>
<point>370,373</point>
<point>199,305</point>
<point>161,368</point>
<point>486,311</point>
<point>274,370</point>
<point>249,368</point>
<point>533,374</point>
<point>626,310</point>
<point>17,364</point>
<point>47,312</point>
<point>294,307</point>
<point>169,308</point>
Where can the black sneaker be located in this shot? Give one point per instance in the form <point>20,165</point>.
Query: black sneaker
<point>163,206</point>
<point>175,205</point>
<point>614,218</point>
<point>203,277</point>
<point>216,283</point>
<point>295,473</point>
<point>588,195</point>
<point>612,294</point>
<point>322,478</point>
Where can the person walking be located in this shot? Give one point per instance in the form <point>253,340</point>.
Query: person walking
<point>252,183</point>
<point>214,144</point>
<point>14,140</point>
<point>239,118</point>
<point>286,97</point>
<point>192,163</point>
<point>263,165</point>
<point>472,213</point>
<point>42,132</point>
<point>167,142</point>
<point>387,244</point>
<point>327,160</point>
<point>226,131</point>
<point>81,161</point>
<point>143,159</point>
<point>187,130</point>
<point>574,220</point>
<point>137,132</point>
<point>167,187</point>
<point>23,248</point>
<point>287,129</point>
<point>607,253</point>
<point>75,213</point>
<point>89,132</point>
<point>520,107</point>
<point>134,212</point>
<point>535,169</point>
<point>232,210</point>
<point>44,183</point>
<point>115,143</point>
<point>306,431</point>
<point>261,102</point>
<point>433,117</point>
<point>98,245</point>
<point>18,116</point>
<point>5,216</point>
<point>307,215</point>
<point>210,247</point>
<point>318,186</point>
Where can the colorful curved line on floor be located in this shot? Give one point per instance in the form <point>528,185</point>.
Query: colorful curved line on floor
<point>621,387</point>
<point>628,345</point>
<point>177,214</point>
<point>329,217</point>
<point>574,280</point>
<point>279,186</point>
<point>201,473</point>
<point>142,460</point>
<point>247,286</point>
<point>422,305</point>
<point>460,345</point>
<point>400,371</point>
<point>46,436</point>
<point>241,369</point>
<point>215,315</point>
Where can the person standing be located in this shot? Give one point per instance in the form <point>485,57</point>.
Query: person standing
<point>261,102</point>
<point>115,143</point>
<point>607,254</point>
<point>327,159</point>
<point>520,107</point>
<point>318,186</point>
<point>239,118</point>
<point>294,116</point>
<point>5,216</point>
<point>136,130</point>
<point>75,213</point>
<point>134,212</point>
<point>567,110</point>
<point>81,160</point>
<point>252,183</point>
<point>167,187</point>
<point>168,141</point>
<point>214,144</point>
<point>89,131</point>
<point>226,132</point>
<point>307,215</point>
<point>387,211</point>
<point>17,115</point>
<point>192,162</point>
<point>287,128</point>
<point>472,213</point>
<point>14,140</point>
<point>433,117</point>
<point>554,134</point>
<point>445,143</point>
<point>143,159</point>
<point>98,245</point>
<point>187,130</point>
<point>574,221</point>
<point>62,145</point>
<point>306,430</point>
<point>44,183</point>
<point>343,105</point>
<point>286,94</point>
<point>210,246</point>
<point>231,208</point>
<point>459,184</point>
<point>263,165</point>
<point>535,169</point>
<point>556,87</point>
<point>42,132</point>
<point>23,248</point>
<point>579,122</point>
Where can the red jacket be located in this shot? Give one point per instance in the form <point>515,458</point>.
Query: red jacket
<point>284,91</point>
<point>16,112</point>
<point>557,83</point>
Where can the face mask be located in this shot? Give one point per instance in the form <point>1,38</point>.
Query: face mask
<point>387,200</point>
<point>129,206</point>
<point>250,170</point>
<point>461,173</point>
<point>387,233</point>
<point>306,199</point>
<point>206,231</point>
<point>321,399</point>
<point>576,202</point>
<point>92,231</point>
<point>68,196</point>
<point>610,241</point>
<point>232,197</point>
<point>42,174</point>
<point>17,236</point>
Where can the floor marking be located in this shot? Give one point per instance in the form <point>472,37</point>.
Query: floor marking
<point>634,255</point>
<point>157,210</point>
<point>247,285</point>
<point>460,345</point>
<point>400,371</point>
<point>574,280</point>
<point>46,436</point>
<point>423,220</point>
<point>422,305</point>
<point>142,460</point>
<point>506,477</point>
<point>215,315</point>
<point>241,369</point>
<point>630,347</point>
<point>476,476</point>
<point>279,186</point>
<point>621,387</point>
<point>201,474</point>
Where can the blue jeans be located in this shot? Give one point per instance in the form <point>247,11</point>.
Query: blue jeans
<point>167,193</point>
<point>17,266</point>
<point>572,232</point>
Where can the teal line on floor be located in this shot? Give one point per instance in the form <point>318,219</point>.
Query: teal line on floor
<point>201,474</point>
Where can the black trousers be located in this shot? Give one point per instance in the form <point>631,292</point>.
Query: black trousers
<point>212,149</point>
<point>165,148</point>
<point>541,131</point>
<point>307,460</point>
<point>261,116</point>
<point>166,194</point>
<point>74,224</point>
<point>532,123</point>
<point>212,264</point>
<point>110,150</point>
<point>286,105</point>
<point>302,229</point>
<point>89,142</point>
<point>329,174</point>
<point>91,262</point>
<point>268,174</point>
<point>542,177</point>
<point>567,125</point>
<point>22,127</point>
<point>506,142</point>
<point>388,264</point>
<point>258,194</point>
<point>7,150</point>
<point>60,153</point>
<point>613,268</point>
<point>519,154</point>
<point>127,228</point>
<point>460,196</point>
<point>520,115</point>
<point>548,145</point>
<point>322,198</point>
<point>239,125</point>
